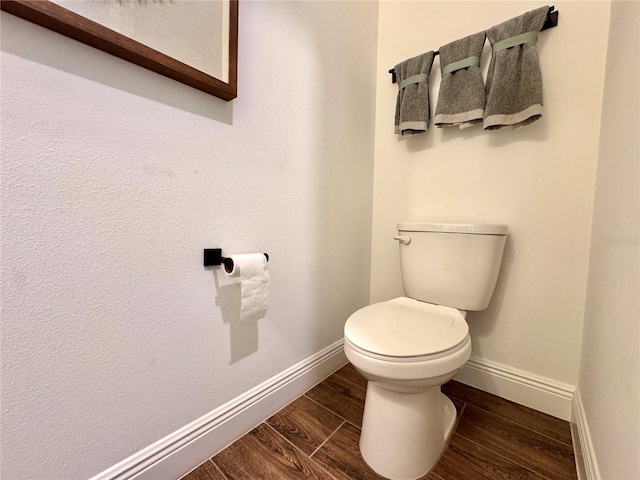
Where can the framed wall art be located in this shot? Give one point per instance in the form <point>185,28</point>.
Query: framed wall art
<point>193,42</point>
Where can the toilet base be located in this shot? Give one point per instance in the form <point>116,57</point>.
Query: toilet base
<point>403,434</point>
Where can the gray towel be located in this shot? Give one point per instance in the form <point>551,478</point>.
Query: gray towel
<point>412,107</point>
<point>462,97</point>
<point>514,81</point>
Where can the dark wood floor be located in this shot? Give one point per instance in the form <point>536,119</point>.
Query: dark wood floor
<point>316,437</point>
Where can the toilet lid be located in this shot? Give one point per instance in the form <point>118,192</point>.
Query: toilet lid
<point>404,327</point>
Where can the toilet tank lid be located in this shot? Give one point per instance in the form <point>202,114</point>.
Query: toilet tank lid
<point>475,228</point>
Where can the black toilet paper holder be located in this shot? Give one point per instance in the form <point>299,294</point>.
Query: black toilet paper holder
<point>213,256</point>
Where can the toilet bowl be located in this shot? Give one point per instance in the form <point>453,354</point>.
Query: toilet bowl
<point>409,346</point>
<point>406,349</point>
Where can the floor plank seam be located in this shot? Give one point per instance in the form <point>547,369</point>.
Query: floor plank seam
<point>350,382</point>
<point>464,406</point>
<point>542,434</point>
<point>327,439</point>
<point>299,450</point>
<point>193,469</point>
<point>359,427</point>
<point>569,443</point>
<point>218,469</point>
<point>510,460</point>
<point>520,425</point>
<point>332,373</point>
<point>327,408</point>
<point>323,469</point>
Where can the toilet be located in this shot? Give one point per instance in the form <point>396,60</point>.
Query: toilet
<point>409,346</point>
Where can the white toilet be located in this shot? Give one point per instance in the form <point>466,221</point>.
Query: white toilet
<point>409,346</point>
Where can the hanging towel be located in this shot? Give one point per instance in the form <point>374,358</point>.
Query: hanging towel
<point>462,97</point>
<point>412,106</point>
<point>514,81</point>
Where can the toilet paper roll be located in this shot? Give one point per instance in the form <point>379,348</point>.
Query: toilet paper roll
<point>254,284</point>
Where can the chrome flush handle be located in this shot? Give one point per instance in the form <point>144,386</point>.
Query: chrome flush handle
<point>403,239</point>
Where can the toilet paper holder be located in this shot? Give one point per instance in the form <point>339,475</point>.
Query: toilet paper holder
<point>213,256</point>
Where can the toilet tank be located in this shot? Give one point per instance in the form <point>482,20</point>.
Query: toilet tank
<point>455,265</point>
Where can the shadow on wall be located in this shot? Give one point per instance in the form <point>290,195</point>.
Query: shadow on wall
<point>243,336</point>
<point>37,44</point>
<point>483,322</point>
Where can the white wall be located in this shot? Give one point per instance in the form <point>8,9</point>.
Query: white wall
<point>113,181</point>
<point>538,179</point>
<point>609,367</point>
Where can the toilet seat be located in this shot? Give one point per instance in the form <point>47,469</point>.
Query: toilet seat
<point>406,330</point>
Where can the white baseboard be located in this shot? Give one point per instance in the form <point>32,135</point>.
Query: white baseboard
<point>582,444</point>
<point>188,447</point>
<point>540,393</point>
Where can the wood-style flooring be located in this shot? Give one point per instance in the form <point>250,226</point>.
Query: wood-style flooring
<point>316,437</point>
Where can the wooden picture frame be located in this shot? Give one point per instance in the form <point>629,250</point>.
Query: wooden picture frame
<point>61,20</point>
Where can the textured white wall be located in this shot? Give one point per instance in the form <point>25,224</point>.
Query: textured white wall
<point>113,181</point>
<point>610,362</point>
<point>539,179</point>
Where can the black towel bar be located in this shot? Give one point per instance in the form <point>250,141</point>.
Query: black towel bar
<point>550,22</point>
